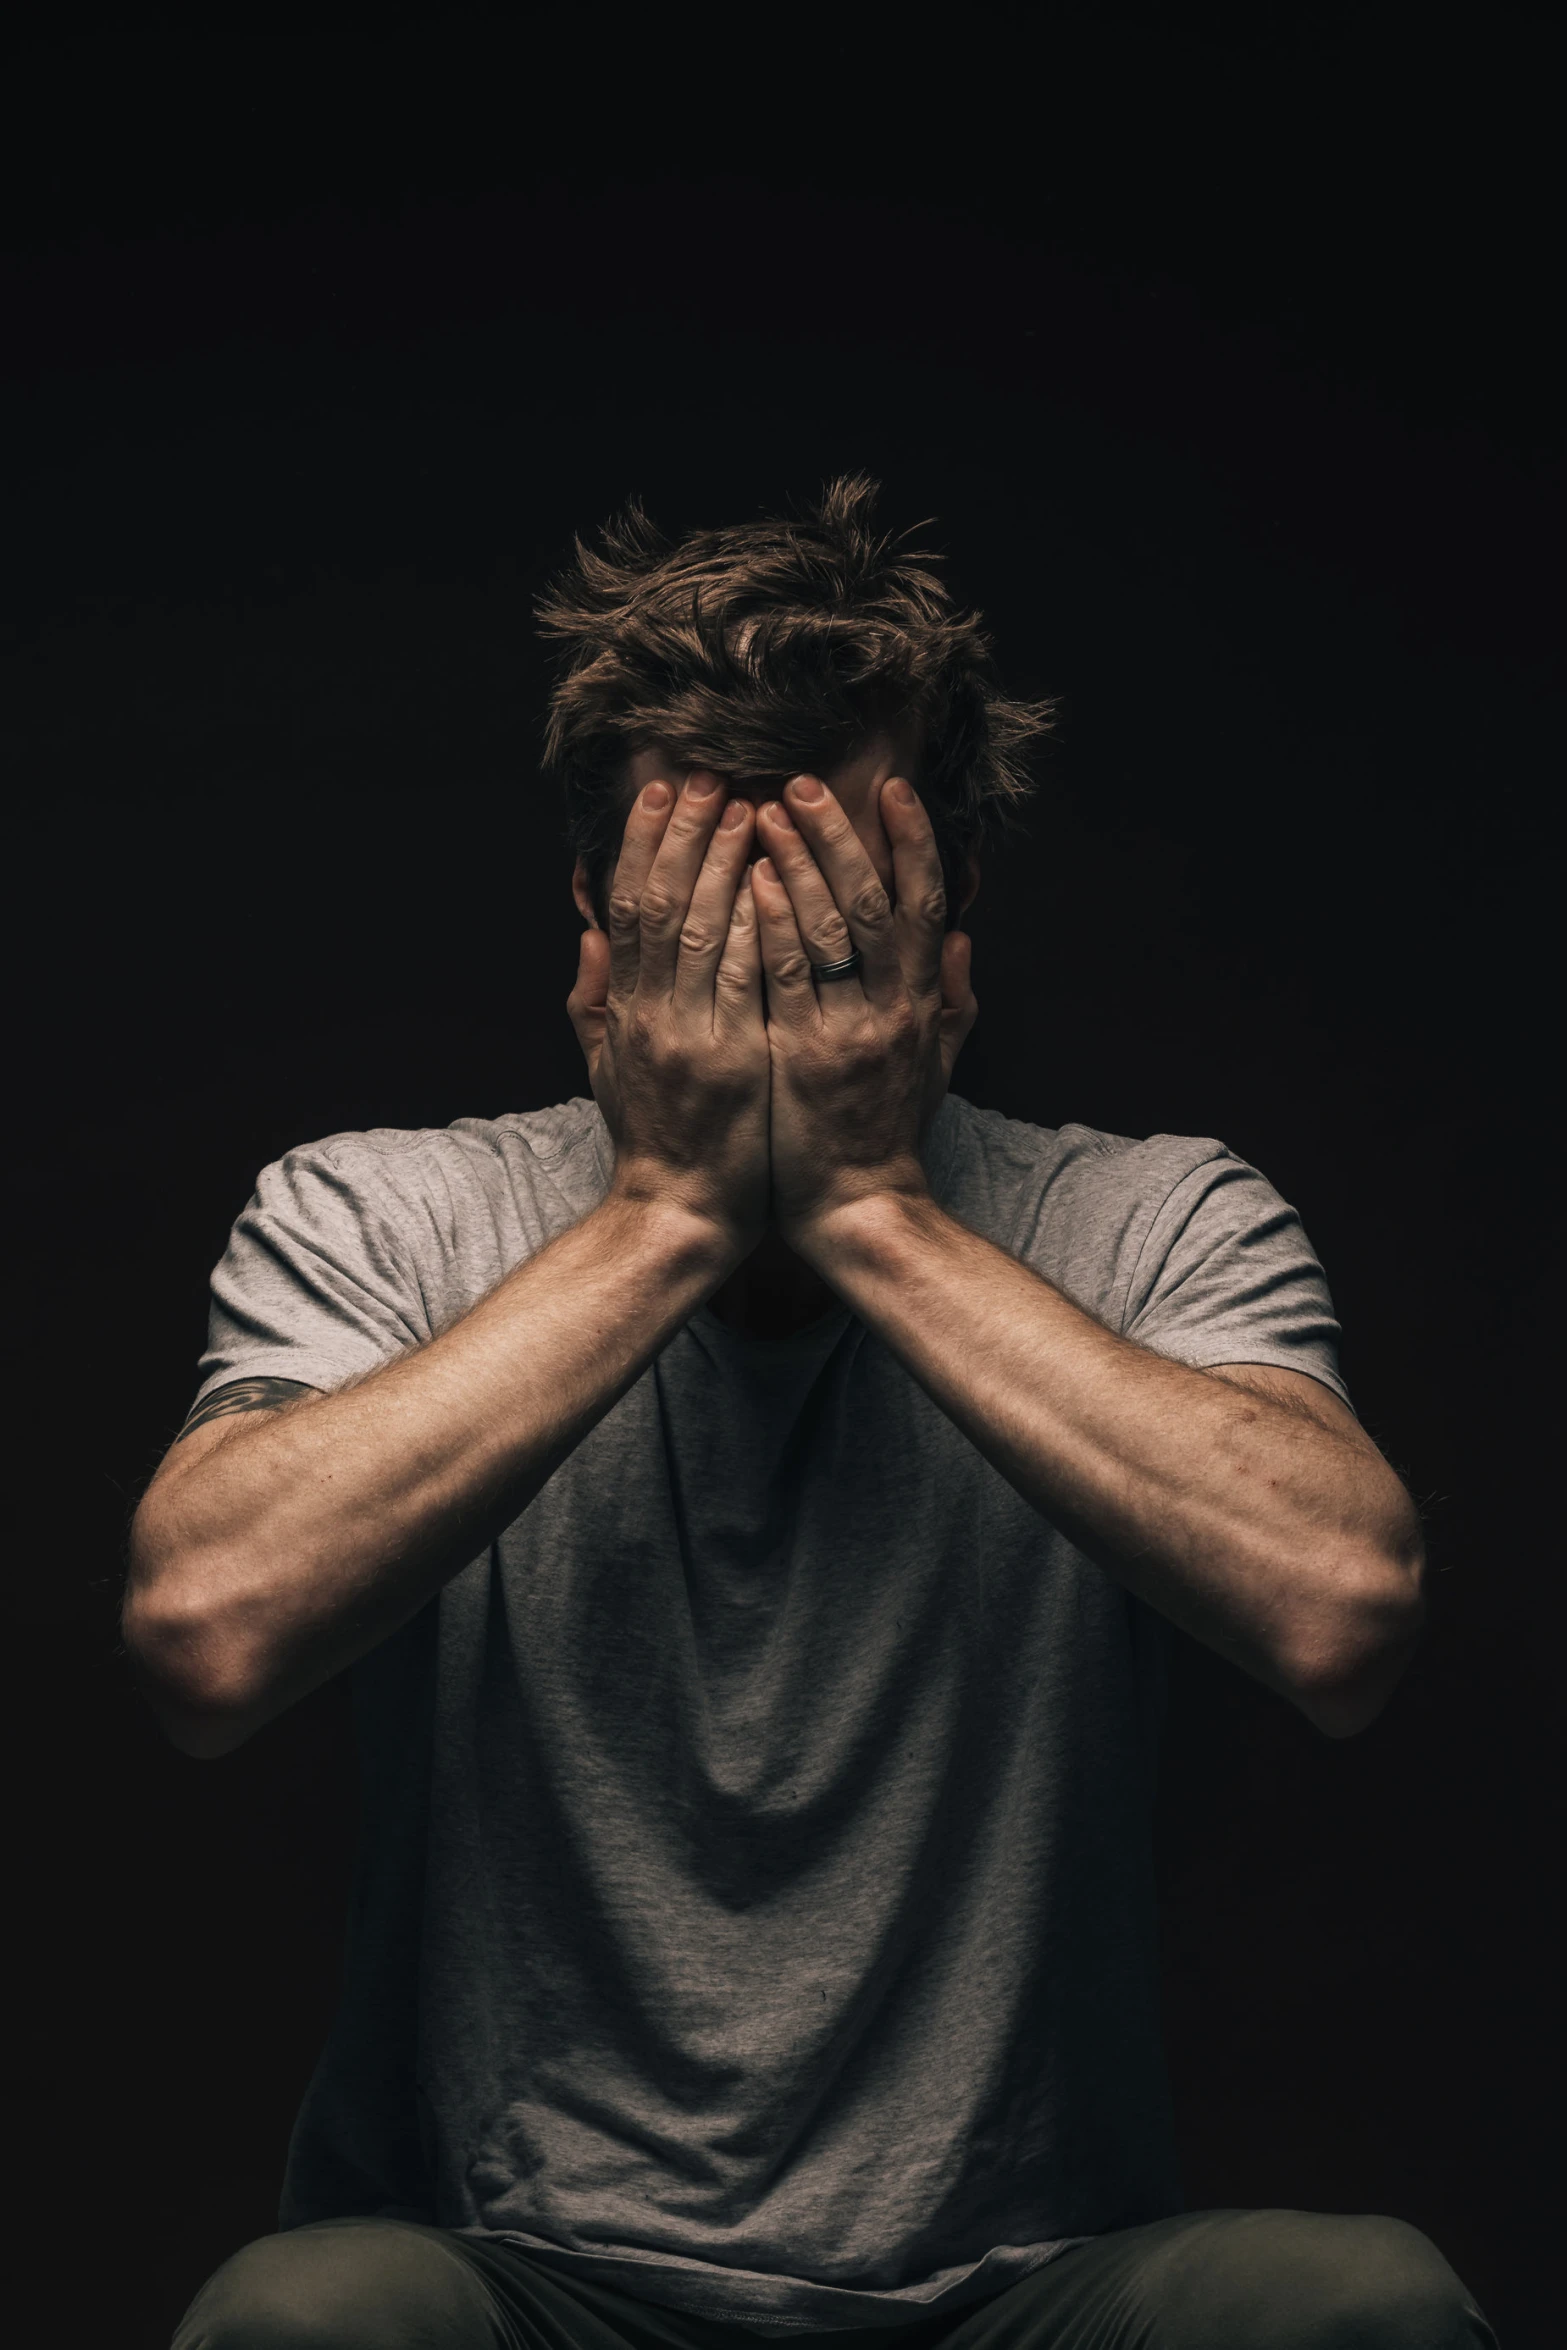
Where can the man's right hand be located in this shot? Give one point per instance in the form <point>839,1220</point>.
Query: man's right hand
<point>668,1011</point>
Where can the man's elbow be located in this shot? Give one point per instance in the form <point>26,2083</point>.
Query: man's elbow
<point>205,1733</point>
<point>1342,1709</point>
<point>203,1698</point>
<point>202,1710</point>
<point>1345,1676</point>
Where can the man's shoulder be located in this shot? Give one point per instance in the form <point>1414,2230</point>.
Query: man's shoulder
<point>540,1163</point>
<point>545,1137</point>
<point>1083,1169</point>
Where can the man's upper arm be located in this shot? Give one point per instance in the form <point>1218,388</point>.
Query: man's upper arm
<point>1298,1392</point>
<point>319,1284</point>
<point>207,1423</point>
<point>1226,1279</point>
<point>314,1291</point>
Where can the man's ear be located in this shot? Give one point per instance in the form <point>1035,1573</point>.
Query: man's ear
<point>583,895</point>
<point>968,882</point>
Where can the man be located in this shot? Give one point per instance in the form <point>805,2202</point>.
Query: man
<point>748,1502</point>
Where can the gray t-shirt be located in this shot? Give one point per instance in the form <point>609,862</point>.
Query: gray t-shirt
<point>755,1904</point>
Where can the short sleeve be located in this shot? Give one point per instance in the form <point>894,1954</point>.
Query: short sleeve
<point>1226,1274</point>
<point>314,1285</point>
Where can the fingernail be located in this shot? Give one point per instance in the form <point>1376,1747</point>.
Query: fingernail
<point>780,815</point>
<point>806,788</point>
<point>700,786</point>
<point>902,791</point>
<point>764,868</point>
<point>655,797</point>
<point>733,816</point>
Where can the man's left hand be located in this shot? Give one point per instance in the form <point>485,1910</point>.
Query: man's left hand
<point>859,1065</point>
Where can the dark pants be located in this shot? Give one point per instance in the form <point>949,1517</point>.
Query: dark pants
<point>1210,2280</point>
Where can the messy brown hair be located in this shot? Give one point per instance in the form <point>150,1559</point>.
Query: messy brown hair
<point>769,649</point>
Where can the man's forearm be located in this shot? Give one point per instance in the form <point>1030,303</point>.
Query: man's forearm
<point>295,1542</point>
<point>1287,1546</point>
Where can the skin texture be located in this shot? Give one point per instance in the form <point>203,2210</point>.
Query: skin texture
<point>773,1291</point>
<point>767,1130</point>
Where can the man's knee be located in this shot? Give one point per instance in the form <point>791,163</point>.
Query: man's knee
<point>1319,2281</point>
<point>1397,2288</point>
<point>353,2284</point>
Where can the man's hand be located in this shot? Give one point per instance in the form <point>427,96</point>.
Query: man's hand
<point>859,1065</point>
<point>668,1011</point>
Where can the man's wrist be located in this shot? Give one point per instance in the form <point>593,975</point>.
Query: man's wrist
<point>693,1235</point>
<point>859,1225</point>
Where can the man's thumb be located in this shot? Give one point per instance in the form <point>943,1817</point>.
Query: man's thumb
<point>593,968</point>
<point>957,956</point>
<point>588,998</point>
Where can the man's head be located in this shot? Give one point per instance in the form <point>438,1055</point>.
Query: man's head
<point>769,649</point>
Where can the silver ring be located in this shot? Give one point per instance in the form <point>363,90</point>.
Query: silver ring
<point>844,970</point>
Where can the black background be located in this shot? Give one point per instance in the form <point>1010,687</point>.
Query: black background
<point>1226,363</point>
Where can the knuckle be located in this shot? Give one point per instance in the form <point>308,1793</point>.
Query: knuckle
<point>660,911</point>
<point>868,905</point>
<point>696,938</point>
<point>624,911</point>
<point>930,905</point>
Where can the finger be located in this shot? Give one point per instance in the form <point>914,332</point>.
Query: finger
<point>791,991</point>
<point>705,930</point>
<point>586,1003</point>
<point>645,829</point>
<point>853,881</point>
<point>666,893</point>
<point>824,933</point>
<point>737,983</point>
<point>920,914</point>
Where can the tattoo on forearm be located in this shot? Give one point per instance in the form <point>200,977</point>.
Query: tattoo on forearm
<point>244,1395</point>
